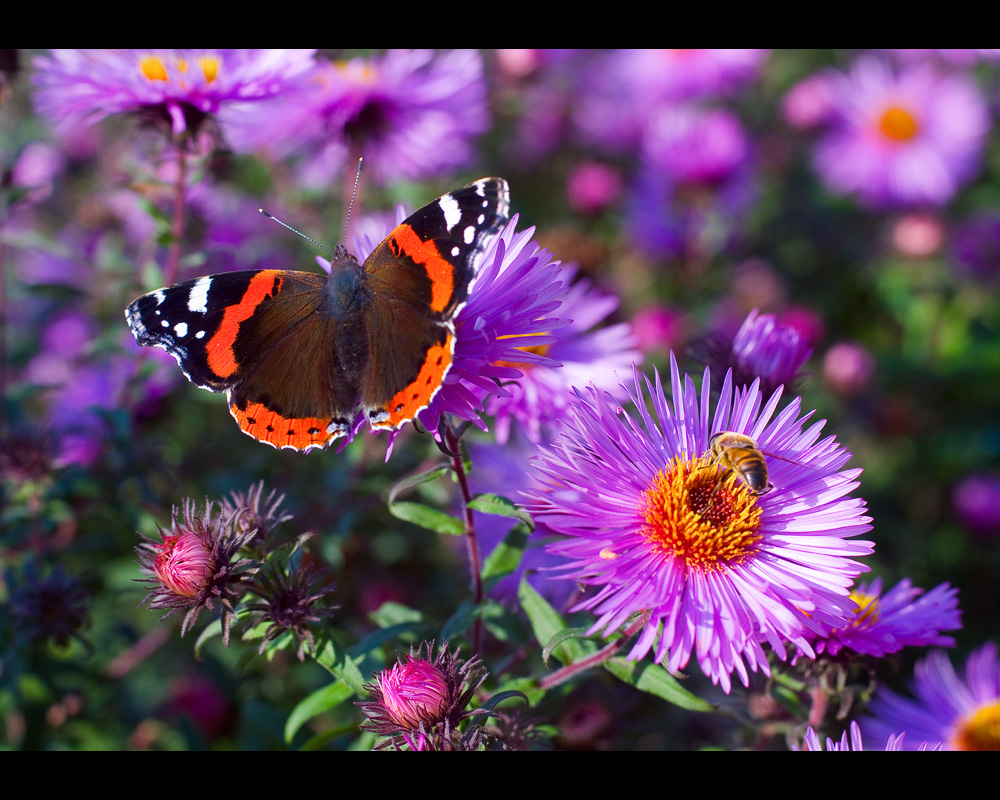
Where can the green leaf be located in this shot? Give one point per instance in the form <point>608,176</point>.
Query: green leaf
<point>390,613</point>
<point>559,638</point>
<point>427,517</point>
<point>655,680</point>
<point>546,622</point>
<point>380,637</point>
<point>318,702</point>
<point>501,506</point>
<point>505,556</point>
<point>412,481</point>
<point>459,622</point>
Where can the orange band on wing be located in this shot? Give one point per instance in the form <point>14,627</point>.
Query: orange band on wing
<point>426,254</point>
<point>221,358</point>
<point>415,397</point>
<point>268,426</point>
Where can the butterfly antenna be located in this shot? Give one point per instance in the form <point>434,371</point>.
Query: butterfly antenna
<point>300,233</point>
<point>354,194</point>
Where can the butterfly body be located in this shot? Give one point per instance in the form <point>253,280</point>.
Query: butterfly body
<point>300,354</point>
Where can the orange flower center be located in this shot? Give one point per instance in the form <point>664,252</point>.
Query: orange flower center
<point>154,68</point>
<point>980,731</point>
<point>694,513</point>
<point>898,124</point>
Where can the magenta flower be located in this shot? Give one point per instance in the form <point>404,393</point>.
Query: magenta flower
<point>195,565</point>
<point>420,703</point>
<point>583,355</point>
<point>83,86</point>
<point>957,713</point>
<point>410,113</point>
<point>902,138</point>
<point>715,568</point>
<point>884,624</point>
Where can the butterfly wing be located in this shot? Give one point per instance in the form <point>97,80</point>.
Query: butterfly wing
<point>418,279</point>
<point>257,336</point>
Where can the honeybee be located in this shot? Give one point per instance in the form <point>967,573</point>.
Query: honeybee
<point>738,453</point>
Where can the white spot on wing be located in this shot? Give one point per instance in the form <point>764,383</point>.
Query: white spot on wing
<point>470,234</point>
<point>200,335</point>
<point>160,297</point>
<point>198,298</point>
<point>181,329</point>
<point>452,213</point>
<point>456,250</point>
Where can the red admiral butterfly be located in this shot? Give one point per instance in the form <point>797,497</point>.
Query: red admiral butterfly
<point>298,353</point>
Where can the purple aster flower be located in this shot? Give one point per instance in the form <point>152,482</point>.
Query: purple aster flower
<point>181,86</point>
<point>584,356</point>
<point>657,529</point>
<point>763,348</point>
<point>884,624</point>
<point>410,113</point>
<point>902,138</point>
<point>955,713</point>
<point>812,741</point>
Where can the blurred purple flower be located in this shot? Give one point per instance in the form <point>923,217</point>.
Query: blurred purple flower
<point>885,624</point>
<point>902,138</point>
<point>955,713</point>
<point>182,86</point>
<point>618,93</point>
<point>410,113</point>
<point>592,187</point>
<point>809,103</point>
<point>659,329</point>
<point>976,500</point>
<point>696,146</point>
<point>848,368</point>
<point>504,469</point>
<point>974,248</point>
<point>716,568</point>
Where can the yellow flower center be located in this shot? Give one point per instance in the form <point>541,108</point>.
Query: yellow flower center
<point>981,731</point>
<point>694,514</point>
<point>898,124</point>
<point>153,68</point>
<point>538,349</point>
<point>867,613</point>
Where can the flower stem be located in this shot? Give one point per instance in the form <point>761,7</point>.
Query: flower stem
<point>598,658</point>
<point>453,443</point>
